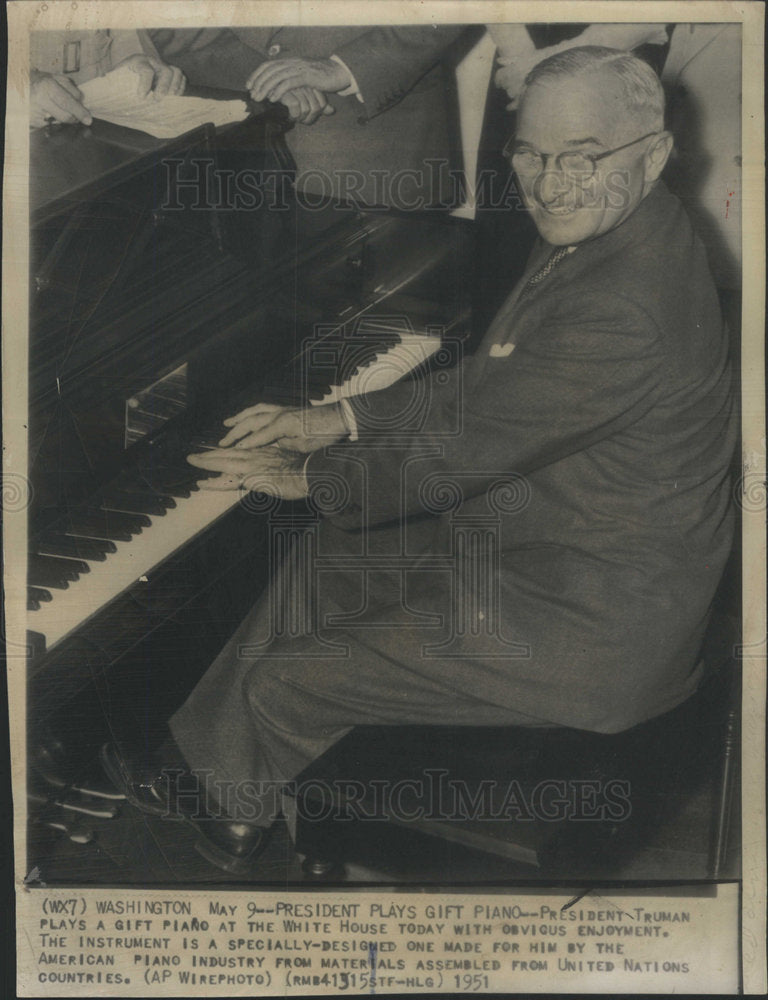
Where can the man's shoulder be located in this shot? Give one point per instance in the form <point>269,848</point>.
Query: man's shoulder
<point>654,250</point>
<point>649,282</point>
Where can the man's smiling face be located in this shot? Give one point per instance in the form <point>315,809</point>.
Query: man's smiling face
<point>584,113</point>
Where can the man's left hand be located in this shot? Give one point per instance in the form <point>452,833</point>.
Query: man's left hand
<point>274,79</point>
<point>298,430</point>
<point>268,470</point>
<point>155,77</point>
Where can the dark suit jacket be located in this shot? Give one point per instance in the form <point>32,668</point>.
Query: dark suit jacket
<point>407,115</point>
<point>612,422</point>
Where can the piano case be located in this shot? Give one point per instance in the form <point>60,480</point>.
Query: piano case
<point>172,283</point>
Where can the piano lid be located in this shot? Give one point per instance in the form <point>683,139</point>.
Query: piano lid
<point>71,161</point>
<point>65,159</point>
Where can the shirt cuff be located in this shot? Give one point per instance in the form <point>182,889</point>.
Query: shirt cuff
<point>348,415</point>
<point>352,90</point>
<point>513,42</point>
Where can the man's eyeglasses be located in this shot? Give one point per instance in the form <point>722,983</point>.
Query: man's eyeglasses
<point>529,162</point>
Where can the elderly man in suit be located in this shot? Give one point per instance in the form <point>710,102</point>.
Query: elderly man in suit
<point>374,104</point>
<point>595,423</point>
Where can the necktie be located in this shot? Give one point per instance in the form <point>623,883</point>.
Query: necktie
<point>558,254</point>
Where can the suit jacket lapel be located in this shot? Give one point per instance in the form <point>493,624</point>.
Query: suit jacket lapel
<point>501,330</point>
<point>637,228</point>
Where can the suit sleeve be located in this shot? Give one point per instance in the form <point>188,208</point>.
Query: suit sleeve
<point>387,62</point>
<point>209,57</point>
<point>589,371</point>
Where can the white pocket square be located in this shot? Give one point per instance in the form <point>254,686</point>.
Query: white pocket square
<point>501,350</point>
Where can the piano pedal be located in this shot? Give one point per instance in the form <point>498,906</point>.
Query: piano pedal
<point>71,801</point>
<point>76,831</point>
<point>95,784</point>
<point>84,805</point>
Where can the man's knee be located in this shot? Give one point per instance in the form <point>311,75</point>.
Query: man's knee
<point>275,688</point>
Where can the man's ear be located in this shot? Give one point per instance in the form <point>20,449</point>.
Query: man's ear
<point>657,155</point>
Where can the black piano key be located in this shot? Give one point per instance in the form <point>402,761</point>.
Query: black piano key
<point>40,594</point>
<point>179,483</point>
<point>319,381</point>
<point>202,442</point>
<point>283,389</point>
<point>132,522</point>
<point>101,526</point>
<point>201,474</point>
<point>69,569</point>
<point>188,475</point>
<point>179,490</point>
<point>45,571</point>
<point>362,356</point>
<point>94,549</point>
<point>32,603</point>
<point>79,566</point>
<point>136,503</point>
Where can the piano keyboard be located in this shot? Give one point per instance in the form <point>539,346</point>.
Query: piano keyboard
<point>93,557</point>
<point>130,563</point>
<point>408,354</point>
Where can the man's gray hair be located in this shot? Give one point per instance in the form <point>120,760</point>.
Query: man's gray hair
<point>642,88</point>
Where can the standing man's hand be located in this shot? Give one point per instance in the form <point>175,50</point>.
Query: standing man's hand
<point>511,76</point>
<point>306,105</point>
<point>55,98</point>
<point>155,77</point>
<point>275,78</point>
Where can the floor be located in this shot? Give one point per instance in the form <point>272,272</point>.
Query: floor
<point>136,849</point>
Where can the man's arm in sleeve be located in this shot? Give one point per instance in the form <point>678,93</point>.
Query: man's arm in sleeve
<point>591,370</point>
<point>210,57</point>
<point>386,63</point>
<point>517,54</point>
<point>126,42</point>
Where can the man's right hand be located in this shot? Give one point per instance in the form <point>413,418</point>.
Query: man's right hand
<point>274,78</point>
<point>511,76</point>
<point>306,105</point>
<point>55,97</point>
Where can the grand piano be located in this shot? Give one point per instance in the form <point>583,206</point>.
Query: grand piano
<point>172,283</point>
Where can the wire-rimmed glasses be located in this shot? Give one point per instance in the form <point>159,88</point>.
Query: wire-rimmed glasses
<point>529,162</point>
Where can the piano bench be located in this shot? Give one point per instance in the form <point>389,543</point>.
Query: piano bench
<point>450,804</point>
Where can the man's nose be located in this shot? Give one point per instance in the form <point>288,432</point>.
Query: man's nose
<point>551,184</point>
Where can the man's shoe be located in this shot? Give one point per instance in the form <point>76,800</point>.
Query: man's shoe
<point>229,844</point>
<point>153,790</point>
